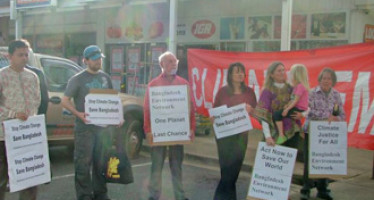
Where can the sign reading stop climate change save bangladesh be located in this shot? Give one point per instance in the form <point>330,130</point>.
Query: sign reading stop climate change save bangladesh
<point>170,121</point>
<point>27,152</point>
<point>103,109</point>
<point>230,121</point>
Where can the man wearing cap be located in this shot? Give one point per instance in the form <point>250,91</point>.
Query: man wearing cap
<point>87,136</point>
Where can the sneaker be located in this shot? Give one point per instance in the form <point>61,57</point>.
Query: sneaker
<point>324,195</point>
<point>281,139</point>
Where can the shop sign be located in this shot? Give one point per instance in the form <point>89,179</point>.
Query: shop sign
<point>34,3</point>
<point>198,29</point>
<point>369,33</point>
<point>203,29</point>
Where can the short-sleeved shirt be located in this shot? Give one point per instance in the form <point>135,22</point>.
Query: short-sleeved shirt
<point>303,93</point>
<point>80,84</point>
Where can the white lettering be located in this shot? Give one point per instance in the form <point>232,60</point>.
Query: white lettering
<point>195,78</point>
<point>361,91</point>
<point>207,104</point>
<point>217,83</point>
<point>203,28</point>
<point>253,83</point>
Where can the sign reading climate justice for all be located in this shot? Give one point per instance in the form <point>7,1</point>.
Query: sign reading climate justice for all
<point>169,108</point>
<point>230,121</point>
<point>103,109</point>
<point>328,148</point>
<point>27,152</point>
<point>272,173</point>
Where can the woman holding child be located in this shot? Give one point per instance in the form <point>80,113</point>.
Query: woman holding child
<point>275,96</point>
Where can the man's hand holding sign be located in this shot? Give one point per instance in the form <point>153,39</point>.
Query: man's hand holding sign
<point>103,107</point>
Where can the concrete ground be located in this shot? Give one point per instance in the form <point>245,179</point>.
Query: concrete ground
<point>358,184</point>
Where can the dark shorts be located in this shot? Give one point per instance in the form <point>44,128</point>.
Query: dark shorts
<point>277,115</point>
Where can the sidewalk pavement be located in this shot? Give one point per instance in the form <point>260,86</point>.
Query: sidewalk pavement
<point>357,185</point>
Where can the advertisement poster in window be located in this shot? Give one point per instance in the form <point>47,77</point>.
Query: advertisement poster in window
<point>131,83</point>
<point>133,60</point>
<point>369,33</point>
<point>232,28</point>
<point>155,65</point>
<point>116,60</point>
<point>116,80</point>
<point>328,25</point>
<point>298,27</point>
<point>259,27</point>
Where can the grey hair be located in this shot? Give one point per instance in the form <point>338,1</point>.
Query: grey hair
<point>331,72</point>
<point>161,57</point>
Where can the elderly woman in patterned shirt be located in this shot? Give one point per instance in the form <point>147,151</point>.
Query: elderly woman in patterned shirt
<point>322,101</point>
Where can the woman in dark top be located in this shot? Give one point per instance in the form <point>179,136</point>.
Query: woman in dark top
<point>231,149</point>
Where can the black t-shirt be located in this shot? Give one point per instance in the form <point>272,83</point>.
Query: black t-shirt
<point>80,84</point>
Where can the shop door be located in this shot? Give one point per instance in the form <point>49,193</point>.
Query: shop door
<point>142,66</point>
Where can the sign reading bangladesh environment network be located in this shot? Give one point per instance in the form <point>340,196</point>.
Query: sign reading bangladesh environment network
<point>169,108</point>
<point>230,121</point>
<point>328,148</point>
<point>103,109</point>
<point>27,152</point>
<point>272,173</point>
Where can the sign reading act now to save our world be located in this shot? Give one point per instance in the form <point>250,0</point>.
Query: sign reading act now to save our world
<point>272,173</point>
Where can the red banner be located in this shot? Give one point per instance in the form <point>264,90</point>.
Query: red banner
<point>353,64</point>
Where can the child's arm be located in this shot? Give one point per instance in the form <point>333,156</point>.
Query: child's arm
<point>290,105</point>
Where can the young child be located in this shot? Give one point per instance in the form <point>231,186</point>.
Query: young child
<point>299,98</point>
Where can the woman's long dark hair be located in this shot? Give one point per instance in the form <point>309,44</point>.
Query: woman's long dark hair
<point>232,66</point>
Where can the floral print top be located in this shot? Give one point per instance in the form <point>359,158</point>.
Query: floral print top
<point>19,92</point>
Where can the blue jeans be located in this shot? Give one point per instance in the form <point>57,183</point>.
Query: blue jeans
<point>86,157</point>
<point>158,155</point>
<point>26,194</point>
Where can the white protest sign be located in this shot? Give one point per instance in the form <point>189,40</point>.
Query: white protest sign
<point>103,109</point>
<point>169,108</point>
<point>27,152</point>
<point>230,121</point>
<point>328,148</point>
<point>272,173</point>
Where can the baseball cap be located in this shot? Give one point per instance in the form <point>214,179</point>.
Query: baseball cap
<point>93,52</point>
